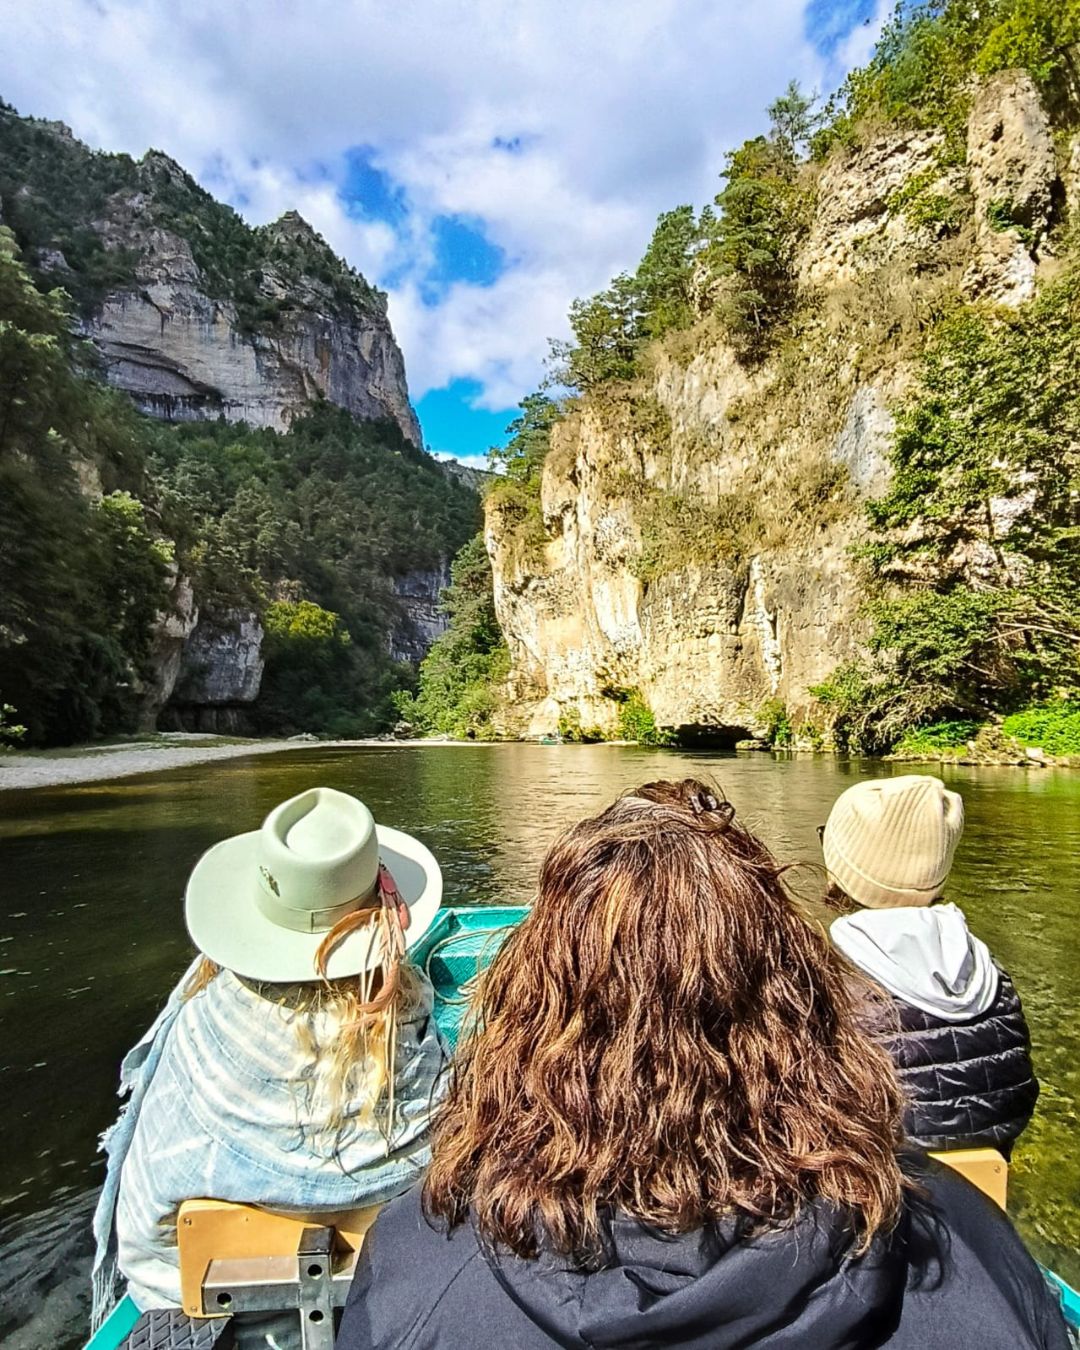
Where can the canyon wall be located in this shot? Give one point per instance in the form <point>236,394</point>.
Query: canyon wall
<point>698,525</point>
<point>183,354</point>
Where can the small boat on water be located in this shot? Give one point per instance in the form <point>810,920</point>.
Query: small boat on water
<point>457,947</point>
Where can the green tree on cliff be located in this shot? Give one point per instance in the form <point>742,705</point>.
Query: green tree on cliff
<point>761,215</point>
<point>793,119</point>
<point>523,455</point>
<point>81,574</point>
<point>607,330</point>
<point>665,275</point>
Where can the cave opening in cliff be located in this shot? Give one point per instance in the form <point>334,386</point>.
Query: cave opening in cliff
<point>711,736</point>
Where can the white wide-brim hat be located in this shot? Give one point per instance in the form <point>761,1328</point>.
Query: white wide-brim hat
<point>261,904</point>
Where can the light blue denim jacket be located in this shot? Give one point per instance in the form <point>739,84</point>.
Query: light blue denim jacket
<point>225,1102</point>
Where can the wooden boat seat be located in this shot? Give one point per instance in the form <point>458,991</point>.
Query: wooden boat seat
<point>983,1167</point>
<point>217,1230</point>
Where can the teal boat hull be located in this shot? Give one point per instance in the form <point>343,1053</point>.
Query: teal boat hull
<point>458,945</point>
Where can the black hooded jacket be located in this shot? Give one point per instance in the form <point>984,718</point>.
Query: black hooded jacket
<point>954,1275</point>
<point>967,1084</point>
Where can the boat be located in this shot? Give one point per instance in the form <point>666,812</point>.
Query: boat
<point>456,948</point>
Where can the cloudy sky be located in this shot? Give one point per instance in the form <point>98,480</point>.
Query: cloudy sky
<point>484,161</point>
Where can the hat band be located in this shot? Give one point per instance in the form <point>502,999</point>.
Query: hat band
<point>306,920</point>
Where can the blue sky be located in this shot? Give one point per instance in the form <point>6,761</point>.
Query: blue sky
<point>482,163</point>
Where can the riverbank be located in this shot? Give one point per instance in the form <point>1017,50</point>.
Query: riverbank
<point>124,759</point>
<point>176,750</point>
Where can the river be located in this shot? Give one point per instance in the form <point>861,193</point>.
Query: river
<point>92,937</point>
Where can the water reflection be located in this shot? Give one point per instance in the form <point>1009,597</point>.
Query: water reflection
<point>91,931</point>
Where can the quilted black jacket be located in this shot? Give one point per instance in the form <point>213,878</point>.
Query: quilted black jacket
<point>968,1084</point>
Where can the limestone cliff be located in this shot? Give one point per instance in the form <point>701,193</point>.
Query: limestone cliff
<point>420,616</point>
<point>696,526</point>
<point>218,676</point>
<point>184,355</point>
<point>195,314</point>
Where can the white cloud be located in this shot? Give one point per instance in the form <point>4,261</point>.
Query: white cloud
<point>859,43</point>
<point>623,107</point>
<point>466,461</point>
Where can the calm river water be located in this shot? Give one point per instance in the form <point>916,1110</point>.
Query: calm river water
<point>92,937</point>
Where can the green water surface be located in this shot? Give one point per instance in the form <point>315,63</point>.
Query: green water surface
<point>92,935</point>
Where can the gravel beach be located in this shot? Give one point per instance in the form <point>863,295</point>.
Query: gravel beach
<point>91,764</point>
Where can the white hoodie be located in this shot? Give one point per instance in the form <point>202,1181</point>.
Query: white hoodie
<point>924,955</point>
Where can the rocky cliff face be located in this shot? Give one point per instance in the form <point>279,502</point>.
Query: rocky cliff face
<point>183,354</point>
<point>219,671</point>
<point>747,484</point>
<point>421,618</point>
<point>196,314</point>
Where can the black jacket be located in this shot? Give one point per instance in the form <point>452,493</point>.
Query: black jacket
<point>954,1275</point>
<point>968,1084</point>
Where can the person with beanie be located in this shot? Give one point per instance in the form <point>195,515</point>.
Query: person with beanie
<point>953,1022</point>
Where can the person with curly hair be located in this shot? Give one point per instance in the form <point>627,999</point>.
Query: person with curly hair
<point>667,1129</point>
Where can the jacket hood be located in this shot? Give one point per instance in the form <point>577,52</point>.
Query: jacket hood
<point>923,955</point>
<point>797,1287</point>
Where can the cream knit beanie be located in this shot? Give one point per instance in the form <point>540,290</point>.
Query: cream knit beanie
<point>891,841</point>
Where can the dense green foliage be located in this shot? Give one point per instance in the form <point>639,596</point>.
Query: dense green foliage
<point>974,555</point>
<point>936,740</point>
<point>637,722</point>
<point>774,724</point>
<point>10,731</point>
<point>336,505</point>
<point>923,67</point>
<point>1055,727</point>
<point>665,275</point>
<point>515,494</point>
<point>458,693</point>
<point>60,197</point>
<point>81,577</point>
<point>310,682</point>
<point>335,509</point>
<point>97,502</point>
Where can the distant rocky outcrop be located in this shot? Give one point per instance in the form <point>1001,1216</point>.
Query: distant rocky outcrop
<point>172,631</point>
<point>184,354</point>
<point>221,669</point>
<point>195,314</point>
<point>421,619</point>
<point>1013,176</point>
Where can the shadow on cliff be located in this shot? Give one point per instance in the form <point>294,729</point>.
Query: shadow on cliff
<point>699,736</point>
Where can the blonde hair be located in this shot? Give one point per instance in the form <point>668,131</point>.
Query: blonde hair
<point>347,1028</point>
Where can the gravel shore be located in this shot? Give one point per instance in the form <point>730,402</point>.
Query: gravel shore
<point>91,764</point>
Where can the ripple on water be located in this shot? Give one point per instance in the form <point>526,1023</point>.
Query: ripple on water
<point>107,862</point>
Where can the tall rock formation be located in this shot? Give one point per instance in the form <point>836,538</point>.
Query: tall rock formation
<point>185,355</point>
<point>697,527</point>
<point>196,315</point>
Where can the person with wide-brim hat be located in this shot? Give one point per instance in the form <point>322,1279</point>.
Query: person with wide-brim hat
<point>297,1062</point>
<point>261,904</point>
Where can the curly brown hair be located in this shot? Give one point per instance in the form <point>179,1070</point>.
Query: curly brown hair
<point>664,1035</point>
